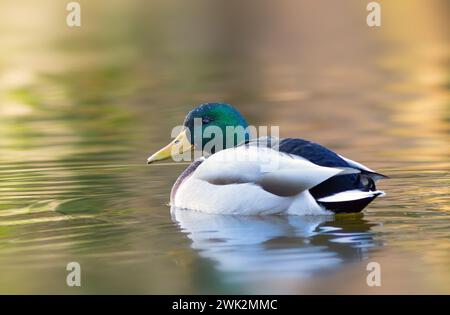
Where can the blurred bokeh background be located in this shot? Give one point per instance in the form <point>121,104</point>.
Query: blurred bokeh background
<point>81,109</point>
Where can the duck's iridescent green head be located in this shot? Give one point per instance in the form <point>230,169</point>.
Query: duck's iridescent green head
<point>216,120</point>
<point>209,127</point>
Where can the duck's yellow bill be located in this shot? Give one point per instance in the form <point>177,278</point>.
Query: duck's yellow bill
<point>178,146</point>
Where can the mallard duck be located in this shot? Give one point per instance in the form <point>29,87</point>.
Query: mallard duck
<point>261,176</point>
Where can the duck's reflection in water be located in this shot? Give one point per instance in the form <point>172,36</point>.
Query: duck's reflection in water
<point>248,248</point>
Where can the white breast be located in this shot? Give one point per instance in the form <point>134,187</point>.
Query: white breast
<point>245,181</point>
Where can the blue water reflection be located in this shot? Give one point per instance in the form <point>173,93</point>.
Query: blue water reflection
<point>249,248</point>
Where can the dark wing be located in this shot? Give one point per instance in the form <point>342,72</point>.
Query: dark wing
<point>322,156</point>
<point>312,151</point>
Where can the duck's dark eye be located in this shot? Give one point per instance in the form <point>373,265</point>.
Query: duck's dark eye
<point>206,120</point>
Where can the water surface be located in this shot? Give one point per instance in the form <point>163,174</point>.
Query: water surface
<point>81,109</point>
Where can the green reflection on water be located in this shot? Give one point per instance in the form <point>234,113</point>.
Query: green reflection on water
<point>81,110</point>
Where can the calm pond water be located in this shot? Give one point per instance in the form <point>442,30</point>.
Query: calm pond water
<point>81,109</point>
